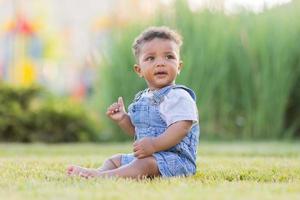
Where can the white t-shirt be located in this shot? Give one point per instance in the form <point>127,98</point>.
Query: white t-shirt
<point>178,105</point>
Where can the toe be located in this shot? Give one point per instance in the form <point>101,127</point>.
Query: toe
<point>70,169</point>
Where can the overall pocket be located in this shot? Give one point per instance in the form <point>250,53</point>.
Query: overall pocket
<point>139,115</point>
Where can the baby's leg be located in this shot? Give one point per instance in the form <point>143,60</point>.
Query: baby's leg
<point>137,169</point>
<point>109,164</point>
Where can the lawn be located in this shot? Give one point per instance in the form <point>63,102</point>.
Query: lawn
<point>227,170</point>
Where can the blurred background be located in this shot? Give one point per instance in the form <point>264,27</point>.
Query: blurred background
<point>62,62</point>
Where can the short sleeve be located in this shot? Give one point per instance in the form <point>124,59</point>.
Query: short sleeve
<point>178,105</point>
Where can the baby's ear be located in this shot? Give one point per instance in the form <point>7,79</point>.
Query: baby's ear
<point>138,70</point>
<point>180,66</point>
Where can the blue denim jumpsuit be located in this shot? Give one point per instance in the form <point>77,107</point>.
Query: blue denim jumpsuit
<point>179,160</point>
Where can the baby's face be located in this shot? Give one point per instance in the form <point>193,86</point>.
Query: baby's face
<point>159,63</point>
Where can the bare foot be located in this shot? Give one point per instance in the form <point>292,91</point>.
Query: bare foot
<point>74,170</point>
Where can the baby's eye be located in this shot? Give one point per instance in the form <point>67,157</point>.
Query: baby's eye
<point>170,57</point>
<point>150,58</point>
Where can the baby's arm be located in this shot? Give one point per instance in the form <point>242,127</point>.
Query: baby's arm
<point>117,113</point>
<point>172,136</point>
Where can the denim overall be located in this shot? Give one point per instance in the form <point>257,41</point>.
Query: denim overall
<point>179,160</point>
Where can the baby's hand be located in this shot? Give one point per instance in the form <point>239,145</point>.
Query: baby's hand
<point>144,147</point>
<point>116,111</point>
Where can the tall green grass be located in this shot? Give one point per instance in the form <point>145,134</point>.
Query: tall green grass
<point>244,68</point>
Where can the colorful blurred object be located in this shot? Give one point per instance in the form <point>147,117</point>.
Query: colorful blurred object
<point>28,44</point>
<point>35,48</point>
<point>23,48</point>
<point>21,26</point>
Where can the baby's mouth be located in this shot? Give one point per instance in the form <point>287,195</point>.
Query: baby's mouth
<point>160,73</point>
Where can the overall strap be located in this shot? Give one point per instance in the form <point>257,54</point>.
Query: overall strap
<point>158,96</point>
<point>138,95</point>
<point>191,92</point>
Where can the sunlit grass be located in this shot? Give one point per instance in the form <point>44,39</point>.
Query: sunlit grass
<point>225,171</point>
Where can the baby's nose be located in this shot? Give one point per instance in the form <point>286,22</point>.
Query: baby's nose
<point>160,62</point>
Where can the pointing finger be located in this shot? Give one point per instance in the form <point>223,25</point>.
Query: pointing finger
<point>120,101</point>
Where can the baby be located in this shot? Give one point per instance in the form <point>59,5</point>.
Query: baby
<point>163,118</point>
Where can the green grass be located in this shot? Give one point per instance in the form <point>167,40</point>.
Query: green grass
<point>240,170</point>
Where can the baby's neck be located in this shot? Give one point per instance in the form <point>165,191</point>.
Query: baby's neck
<point>156,89</point>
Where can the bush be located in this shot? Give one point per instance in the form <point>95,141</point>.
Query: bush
<point>30,114</point>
